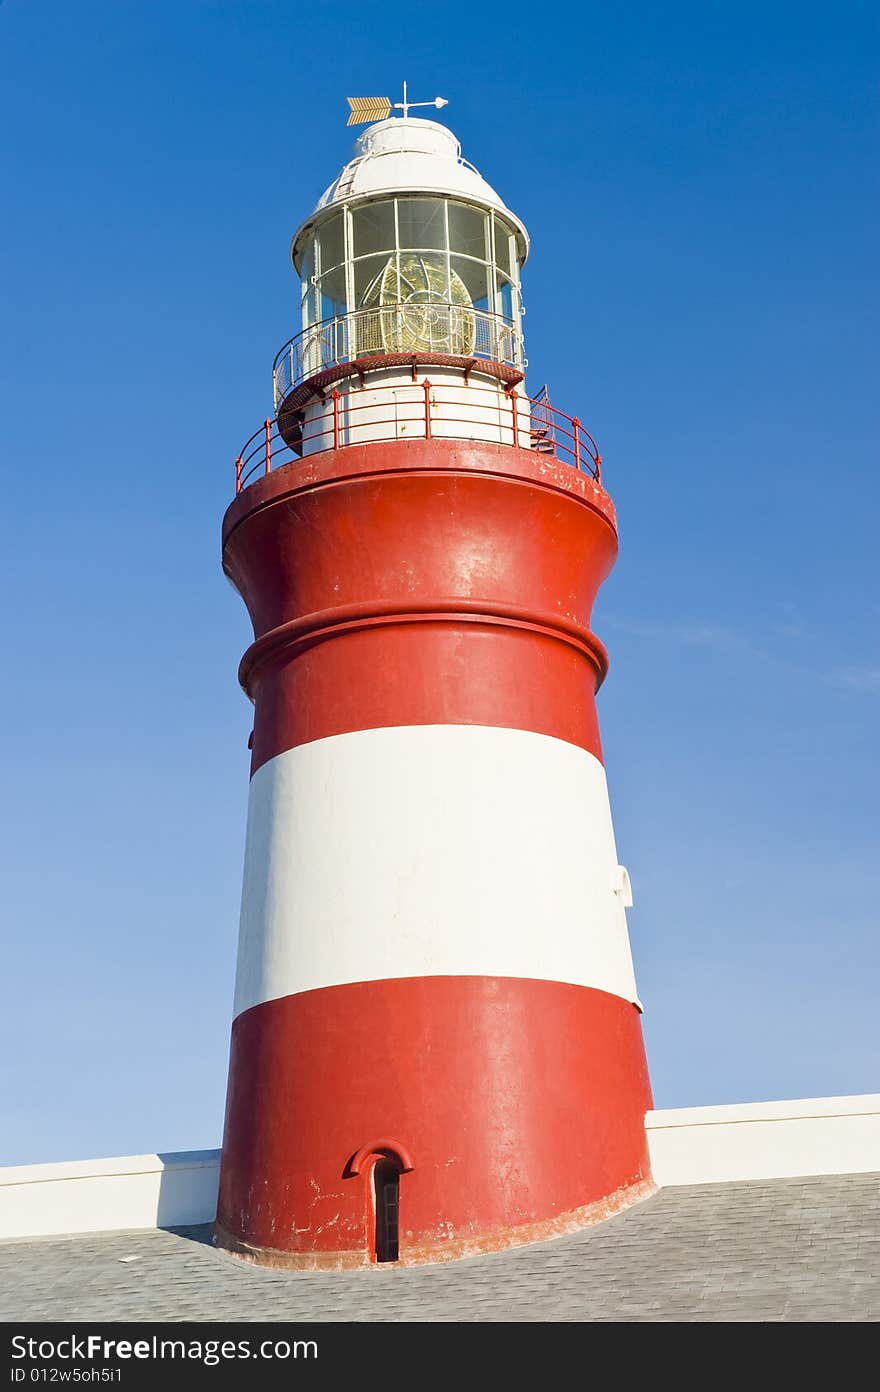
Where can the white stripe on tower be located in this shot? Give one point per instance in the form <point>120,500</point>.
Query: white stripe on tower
<point>438,850</point>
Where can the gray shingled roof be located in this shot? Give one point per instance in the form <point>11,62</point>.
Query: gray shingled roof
<point>790,1249</point>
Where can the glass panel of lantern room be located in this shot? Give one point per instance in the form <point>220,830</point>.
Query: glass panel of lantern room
<point>504,296</point>
<point>468,291</point>
<point>307,271</point>
<point>507,322</point>
<point>311,348</point>
<point>373,248</point>
<point>421,224</point>
<point>468,231</point>
<point>508,261</point>
<point>505,250</point>
<point>331,237</point>
<point>372,229</point>
<point>375,285</point>
<point>375,277</point>
<point>330,267</point>
<point>422,257</point>
<point>469,280</point>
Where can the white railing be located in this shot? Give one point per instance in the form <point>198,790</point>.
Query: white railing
<point>427,327</point>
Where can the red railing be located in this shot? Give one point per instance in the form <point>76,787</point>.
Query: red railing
<point>421,410</point>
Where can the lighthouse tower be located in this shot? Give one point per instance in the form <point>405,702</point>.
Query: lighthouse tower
<point>436,1047</point>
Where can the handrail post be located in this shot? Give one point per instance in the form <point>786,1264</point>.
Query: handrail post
<point>514,396</point>
<point>268,448</point>
<point>335,396</point>
<point>427,389</point>
<point>598,467</point>
<point>577,442</point>
<point>239,465</point>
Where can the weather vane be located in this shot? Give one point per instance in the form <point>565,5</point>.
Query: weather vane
<point>364,109</point>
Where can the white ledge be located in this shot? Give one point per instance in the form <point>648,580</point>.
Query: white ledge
<point>861,1105</point>
<point>115,1165</point>
<point>131,1191</point>
<point>765,1140</point>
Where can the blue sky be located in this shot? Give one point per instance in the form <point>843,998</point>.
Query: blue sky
<point>699,183</point>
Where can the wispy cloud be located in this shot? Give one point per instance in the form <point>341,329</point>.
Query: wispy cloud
<point>791,622</point>
<point>696,634</point>
<point>863,679</point>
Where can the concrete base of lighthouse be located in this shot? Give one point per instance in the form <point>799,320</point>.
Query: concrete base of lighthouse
<point>433,1253</point>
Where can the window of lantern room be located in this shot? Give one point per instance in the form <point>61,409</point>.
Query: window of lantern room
<point>412,274</point>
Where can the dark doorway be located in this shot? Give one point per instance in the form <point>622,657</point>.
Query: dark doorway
<point>386,1181</point>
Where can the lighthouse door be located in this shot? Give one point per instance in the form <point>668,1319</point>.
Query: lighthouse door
<point>409,411</point>
<point>386,1180</point>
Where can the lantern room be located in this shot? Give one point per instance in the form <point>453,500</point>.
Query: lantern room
<point>439,246</point>
<point>410,260</point>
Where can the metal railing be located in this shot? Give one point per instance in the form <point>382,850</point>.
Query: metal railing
<point>427,411</point>
<point>428,326</point>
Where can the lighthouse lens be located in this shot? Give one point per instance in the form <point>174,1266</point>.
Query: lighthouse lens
<point>419,303</point>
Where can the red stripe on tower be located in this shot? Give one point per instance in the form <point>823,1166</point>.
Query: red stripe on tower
<point>436,1047</point>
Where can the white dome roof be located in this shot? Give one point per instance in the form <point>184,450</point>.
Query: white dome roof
<point>406,155</point>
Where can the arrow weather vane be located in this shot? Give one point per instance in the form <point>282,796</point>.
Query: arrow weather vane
<point>364,109</point>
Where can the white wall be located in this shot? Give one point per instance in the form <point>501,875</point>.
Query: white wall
<point>137,1191</point>
<point>765,1140</point>
<point>392,407</point>
<point>695,1145</point>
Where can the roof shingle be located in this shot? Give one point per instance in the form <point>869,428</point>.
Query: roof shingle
<point>791,1249</point>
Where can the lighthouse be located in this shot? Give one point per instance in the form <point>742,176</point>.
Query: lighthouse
<point>436,1046</point>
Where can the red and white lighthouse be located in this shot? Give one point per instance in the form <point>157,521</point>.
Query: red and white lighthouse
<point>437,1046</point>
